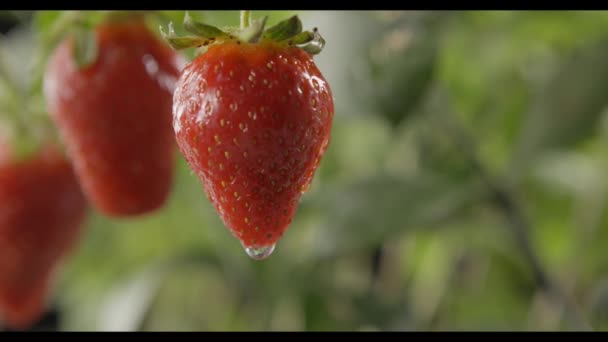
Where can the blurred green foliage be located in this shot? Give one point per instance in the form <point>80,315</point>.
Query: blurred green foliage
<point>433,109</point>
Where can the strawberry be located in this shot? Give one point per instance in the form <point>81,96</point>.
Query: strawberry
<point>114,116</point>
<point>42,214</point>
<point>252,117</point>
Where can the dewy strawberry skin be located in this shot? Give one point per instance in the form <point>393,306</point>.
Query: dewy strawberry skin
<point>252,116</point>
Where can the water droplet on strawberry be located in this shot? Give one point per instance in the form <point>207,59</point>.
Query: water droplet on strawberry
<point>259,253</point>
<point>304,188</point>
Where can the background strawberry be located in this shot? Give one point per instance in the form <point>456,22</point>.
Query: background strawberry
<point>41,217</point>
<point>115,116</point>
<point>253,118</point>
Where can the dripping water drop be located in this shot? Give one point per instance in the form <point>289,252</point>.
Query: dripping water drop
<point>259,253</point>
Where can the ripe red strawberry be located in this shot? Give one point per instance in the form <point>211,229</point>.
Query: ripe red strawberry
<point>41,216</point>
<point>114,116</point>
<point>253,120</point>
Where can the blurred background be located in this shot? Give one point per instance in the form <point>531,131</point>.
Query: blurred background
<point>464,188</point>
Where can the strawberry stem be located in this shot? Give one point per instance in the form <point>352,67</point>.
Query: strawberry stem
<point>59,28</point>
<point>14,115</point>
<point>245,19</point>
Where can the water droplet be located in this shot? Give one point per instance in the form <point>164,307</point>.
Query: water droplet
<point>324,145</point>
<point>259,253</point>
<point>304,188</point>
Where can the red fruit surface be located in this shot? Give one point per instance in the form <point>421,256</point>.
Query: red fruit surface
<point>114,117</point>
<point>42,211</point>
<point>253,121</point>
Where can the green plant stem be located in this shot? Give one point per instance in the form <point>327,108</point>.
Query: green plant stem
<point>57,31</point>
<point>245,19</point>
<point>13,112</point>
<point>504,200</point>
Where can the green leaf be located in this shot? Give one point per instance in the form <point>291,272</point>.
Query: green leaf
<point>568,106</point>
<point>44,20</point>
<point>378,208</point>
<point>201,29</point>
<point>284,30</point>
<point>396,71</point>
<point>85,47</point>
<point>180,43</point>
<point>302,38</point>
<point>183,42</point>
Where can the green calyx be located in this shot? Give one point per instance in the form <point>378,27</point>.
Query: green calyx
<point>85,47</point>
<point>54,26</point>
<point>288,32</point>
